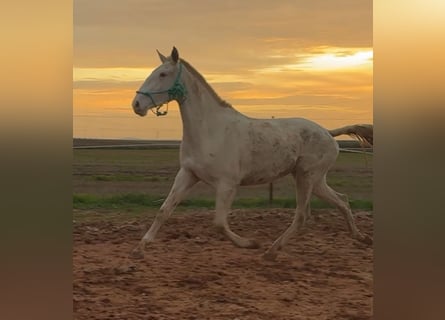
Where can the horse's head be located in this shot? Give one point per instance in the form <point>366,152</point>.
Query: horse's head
<point>161,86</point>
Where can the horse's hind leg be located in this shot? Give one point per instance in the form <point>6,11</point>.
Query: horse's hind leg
<point>324,192</point>
<point>184,180</point>
<point>304,183</point>
<point>224,198</point>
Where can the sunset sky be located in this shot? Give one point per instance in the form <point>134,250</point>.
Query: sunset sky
<point>285,58</point>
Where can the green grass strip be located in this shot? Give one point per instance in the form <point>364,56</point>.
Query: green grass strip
<point>133,200</point>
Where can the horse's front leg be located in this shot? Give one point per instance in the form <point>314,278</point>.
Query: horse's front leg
<point>183,182</point>
<point>225,194</point>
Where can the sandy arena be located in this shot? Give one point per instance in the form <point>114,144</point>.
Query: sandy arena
<point>190,272</point>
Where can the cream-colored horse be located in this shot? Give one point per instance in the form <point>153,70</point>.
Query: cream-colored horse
<point>227,149</point>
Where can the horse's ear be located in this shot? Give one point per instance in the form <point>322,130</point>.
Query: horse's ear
<point>161,56</point>
<point>175,55</point>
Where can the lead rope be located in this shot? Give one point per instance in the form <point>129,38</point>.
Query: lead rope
<point>160,113</point>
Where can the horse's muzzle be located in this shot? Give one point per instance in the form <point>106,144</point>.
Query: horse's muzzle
<point>138,109</point>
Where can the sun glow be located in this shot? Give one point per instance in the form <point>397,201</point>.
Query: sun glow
<point>324,59</point>
<point>338,60</point>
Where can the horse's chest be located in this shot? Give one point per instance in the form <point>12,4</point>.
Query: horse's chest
<point>208,167</point>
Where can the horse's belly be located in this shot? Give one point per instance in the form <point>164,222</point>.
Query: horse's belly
<point>267,169</point>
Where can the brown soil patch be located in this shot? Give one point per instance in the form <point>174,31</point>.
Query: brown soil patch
<point>191,272</point>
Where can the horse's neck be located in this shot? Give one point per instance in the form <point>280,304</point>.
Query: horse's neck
<point>203,115</point>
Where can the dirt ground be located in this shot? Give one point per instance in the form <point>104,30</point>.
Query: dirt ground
<point>190,272</point>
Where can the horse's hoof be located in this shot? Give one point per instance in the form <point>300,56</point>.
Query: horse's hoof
<point>137,254</point>
<point>367,239</point>
<point>253,244</point>
<point>269,256</point>
<point>247,244</point>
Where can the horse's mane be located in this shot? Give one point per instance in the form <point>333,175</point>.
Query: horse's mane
<point>203,81</point>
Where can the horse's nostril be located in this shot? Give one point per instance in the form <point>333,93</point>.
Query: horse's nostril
<point>136,104</point>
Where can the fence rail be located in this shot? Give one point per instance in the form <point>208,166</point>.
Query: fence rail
<point>345,145</point>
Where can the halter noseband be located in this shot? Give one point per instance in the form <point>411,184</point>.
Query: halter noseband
<point>176,92</point>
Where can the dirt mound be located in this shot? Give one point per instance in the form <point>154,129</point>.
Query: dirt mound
<point>191,272</point>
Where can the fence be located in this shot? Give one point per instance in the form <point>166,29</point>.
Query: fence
<point>352,146</point>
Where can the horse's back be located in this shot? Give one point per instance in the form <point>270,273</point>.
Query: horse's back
<point>274,148</point>
<point>298,133</point>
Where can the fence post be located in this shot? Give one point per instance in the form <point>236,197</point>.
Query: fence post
<point>270,193</point>
<point>271,185</point>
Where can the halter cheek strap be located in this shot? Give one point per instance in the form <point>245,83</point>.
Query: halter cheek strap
<point>176,92</point>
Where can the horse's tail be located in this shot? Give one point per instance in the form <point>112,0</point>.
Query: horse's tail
<point>362,132</point>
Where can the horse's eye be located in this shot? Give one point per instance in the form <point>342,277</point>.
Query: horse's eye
<point>163,74</point>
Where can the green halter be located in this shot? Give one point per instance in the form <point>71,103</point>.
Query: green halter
<point>176,92</point>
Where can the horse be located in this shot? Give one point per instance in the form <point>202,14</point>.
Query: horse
<point>227,149</point>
